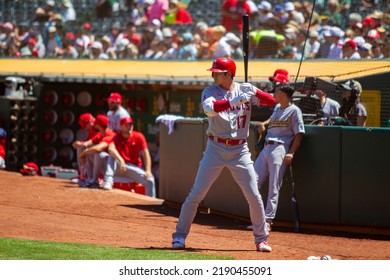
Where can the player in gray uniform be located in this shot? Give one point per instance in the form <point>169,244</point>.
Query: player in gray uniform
<point>116,111</point>
<point>285,131</point>
<point>228,108</point>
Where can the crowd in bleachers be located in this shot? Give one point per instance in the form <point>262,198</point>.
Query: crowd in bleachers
<point>167,29</point>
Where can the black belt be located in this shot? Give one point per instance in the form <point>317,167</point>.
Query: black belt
<point>228,142</point>
<point>271,142</point>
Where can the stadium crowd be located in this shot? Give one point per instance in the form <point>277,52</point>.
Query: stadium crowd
<point>165,29</point>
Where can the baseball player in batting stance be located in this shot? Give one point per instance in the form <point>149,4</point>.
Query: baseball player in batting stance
<point>284,135</point>
<point>227,105</point>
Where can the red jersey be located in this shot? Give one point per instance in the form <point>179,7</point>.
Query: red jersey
<point>91,134</point>
<point>2,148</point>
<point>130,148</point>
<point>107,138</point>
<point>232,6</point>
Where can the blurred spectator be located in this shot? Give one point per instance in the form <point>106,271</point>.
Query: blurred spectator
<point>82,51</point>
<point>303,44</point>
<point>280,13</point>
<point>155,50</point>
<point>157,10</point>
<point>108,49</point>
<point>222,48</point>
<point>87,36</point>
<point>349,50</point>
<point>45,13</point>
<point>377,49</point>
<point>13,51</point>
<point>307,8</point>
<point>265,13</point>
<point>177,14</point>
<point>7,38</point>
<point>53,43</point>
<point>169,45</point>
<point>68,50</point>
<point>103,9</point>
<point>336,35</point>
<point>353,19</point>
<point>333,13</point>
<point>314,43</point>
<point>293,14</point>
<point>21,34</point>
<point>365,51</point>
<point>116,34</point>
<point>68,13</point>
<point>131,34</point>
<point>188,50</point>
<point>207,45</point>
<point>289,52</point>
<point>232,12</point>
<point>96,51</point>
<point>234,42</point>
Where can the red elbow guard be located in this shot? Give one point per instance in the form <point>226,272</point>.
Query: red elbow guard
<point>221,105</point>
<point>265,98</point>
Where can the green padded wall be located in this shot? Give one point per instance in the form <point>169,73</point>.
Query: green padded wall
<point>365,192</point>
<point>316,169</point>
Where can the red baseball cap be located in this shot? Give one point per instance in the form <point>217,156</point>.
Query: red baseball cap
<point>126,120</point>
<point>32,41</point>
<point>350,43</point>
<point>85,119</point>
<point>87,25</point>
<point>102,120</point>
<point>282,72</point>
<point>280,78</point>
<point>116,97</point>
<point>368,21</point>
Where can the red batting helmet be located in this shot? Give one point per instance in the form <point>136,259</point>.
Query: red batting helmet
<point>85,119</point>
<point>223,64</point>
<point>280,71</point>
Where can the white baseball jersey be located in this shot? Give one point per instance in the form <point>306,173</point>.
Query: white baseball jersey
<point>229,124</point>
<point>115,118</point>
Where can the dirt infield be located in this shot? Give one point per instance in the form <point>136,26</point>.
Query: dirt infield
<point>43,208</point>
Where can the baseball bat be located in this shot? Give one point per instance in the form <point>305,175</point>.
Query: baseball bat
<point>297,223</point>
<point>245,43</point>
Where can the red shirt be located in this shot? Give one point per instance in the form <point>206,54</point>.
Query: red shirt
<point>130,148</point>
<point>2,148</point>
<point>232,7</point>
<point>107,138</point>
<point>91,134</point>
<point>183,17</point>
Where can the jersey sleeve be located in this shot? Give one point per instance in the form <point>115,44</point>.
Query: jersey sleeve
<point>208,102</point>
<point>263,98</point>
<point>298,125</point>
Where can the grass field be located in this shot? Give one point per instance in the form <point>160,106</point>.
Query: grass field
<point>20,249</point>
